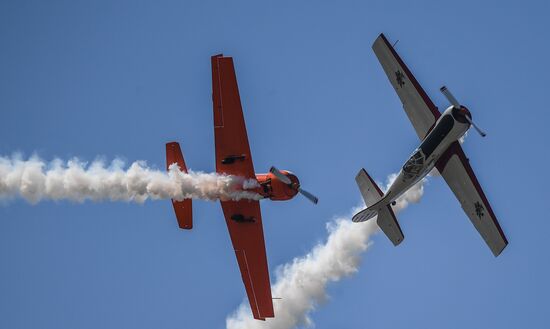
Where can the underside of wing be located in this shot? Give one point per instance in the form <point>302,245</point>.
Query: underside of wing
<point>233,157</point>
<point>244,223</point>
<point>232,149</point>
<point>419,108</point>
<point>457,172</point>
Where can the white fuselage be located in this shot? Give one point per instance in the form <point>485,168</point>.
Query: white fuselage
<point>446,130</point>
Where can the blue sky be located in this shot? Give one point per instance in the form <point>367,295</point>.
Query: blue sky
<point>120,78</point>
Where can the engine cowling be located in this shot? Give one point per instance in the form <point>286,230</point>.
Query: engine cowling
<point>273,188</point>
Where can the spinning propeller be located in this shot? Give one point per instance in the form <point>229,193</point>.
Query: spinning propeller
<point>283,178</point>
<point>457,105</point>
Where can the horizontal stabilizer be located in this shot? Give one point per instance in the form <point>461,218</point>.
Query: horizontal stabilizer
<point>389,225</point>
<point>369,190</point>
<point>364,215</point>
<point>371,194</point>
<point>375,206</point>
<point>183,209</point>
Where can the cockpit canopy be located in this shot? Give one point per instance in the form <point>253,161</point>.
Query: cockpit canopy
<point>413,167</point>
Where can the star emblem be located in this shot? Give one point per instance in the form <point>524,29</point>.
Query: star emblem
<point>399,76</point>
<point>479,209</point>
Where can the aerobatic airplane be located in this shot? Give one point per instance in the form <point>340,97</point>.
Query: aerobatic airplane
<point>233,157</point>
<point>439,148</point>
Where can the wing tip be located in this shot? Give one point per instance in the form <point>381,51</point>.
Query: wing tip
<point>382,38</point>
<point>262,316</point>
<point>499,250</point>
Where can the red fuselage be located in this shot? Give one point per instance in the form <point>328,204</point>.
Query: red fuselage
<point>271,187</point>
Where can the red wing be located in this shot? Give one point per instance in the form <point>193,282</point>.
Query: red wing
<point>455,168</point>
<point>243,218</point>
<point>232,149</point>
<point>244,222</point>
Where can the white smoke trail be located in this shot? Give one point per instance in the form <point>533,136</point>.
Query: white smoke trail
<point>35,180</point>
<point>302,282</point>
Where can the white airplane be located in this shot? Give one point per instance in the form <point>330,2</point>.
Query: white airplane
<point>439,133</point>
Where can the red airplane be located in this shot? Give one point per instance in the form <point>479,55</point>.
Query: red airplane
<point>233,157</point>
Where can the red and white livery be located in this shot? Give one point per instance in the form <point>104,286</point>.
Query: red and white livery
<point>233,157</point>
<point>439,147</point>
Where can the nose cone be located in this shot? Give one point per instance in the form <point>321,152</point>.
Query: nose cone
<point>466,112</point>
<point>292,189</point>
<point>295,181</point>
<point>461,114</point>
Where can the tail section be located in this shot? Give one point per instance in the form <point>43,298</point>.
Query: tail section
<point>373,197</point>
<point>369,190</point>
<point>389,225</point>
<point>183,209</point>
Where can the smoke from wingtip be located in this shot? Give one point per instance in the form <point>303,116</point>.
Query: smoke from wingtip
<point>302,282</point>
<point>35,180</point>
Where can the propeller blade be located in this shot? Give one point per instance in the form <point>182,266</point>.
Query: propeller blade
<point>476,127</point>
<point>280,175</point>
<point>308,195</point>
<point>450,97</point>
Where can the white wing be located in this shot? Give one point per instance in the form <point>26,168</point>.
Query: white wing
<point>419,108</point>
<point>457,172</point>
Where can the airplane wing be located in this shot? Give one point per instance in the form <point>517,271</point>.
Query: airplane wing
<point>455,168</point>
<point>243,218</point>
<point>419,107</point>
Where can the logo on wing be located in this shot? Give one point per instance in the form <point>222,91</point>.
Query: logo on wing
<point>480,211</point>
<point>399,76</point>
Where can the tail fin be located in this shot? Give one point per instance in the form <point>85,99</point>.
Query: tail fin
<point>369,190</point>
<point>386,218</point>
<point>183,209</point>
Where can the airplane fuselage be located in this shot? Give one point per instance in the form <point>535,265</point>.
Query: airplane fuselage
<point>273,188</point>
<point>449,127</point>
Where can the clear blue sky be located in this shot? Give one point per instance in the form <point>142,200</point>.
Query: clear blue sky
<point>121,78</point>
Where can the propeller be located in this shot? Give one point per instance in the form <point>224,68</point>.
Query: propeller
<point>283,178</point>
<point>450,97</point>
<point>481,132</point>
<point>447,93</point>
<point>308,195</point>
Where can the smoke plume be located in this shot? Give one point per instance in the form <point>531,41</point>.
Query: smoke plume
<point>302,282</point>
<point>35,180</point>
